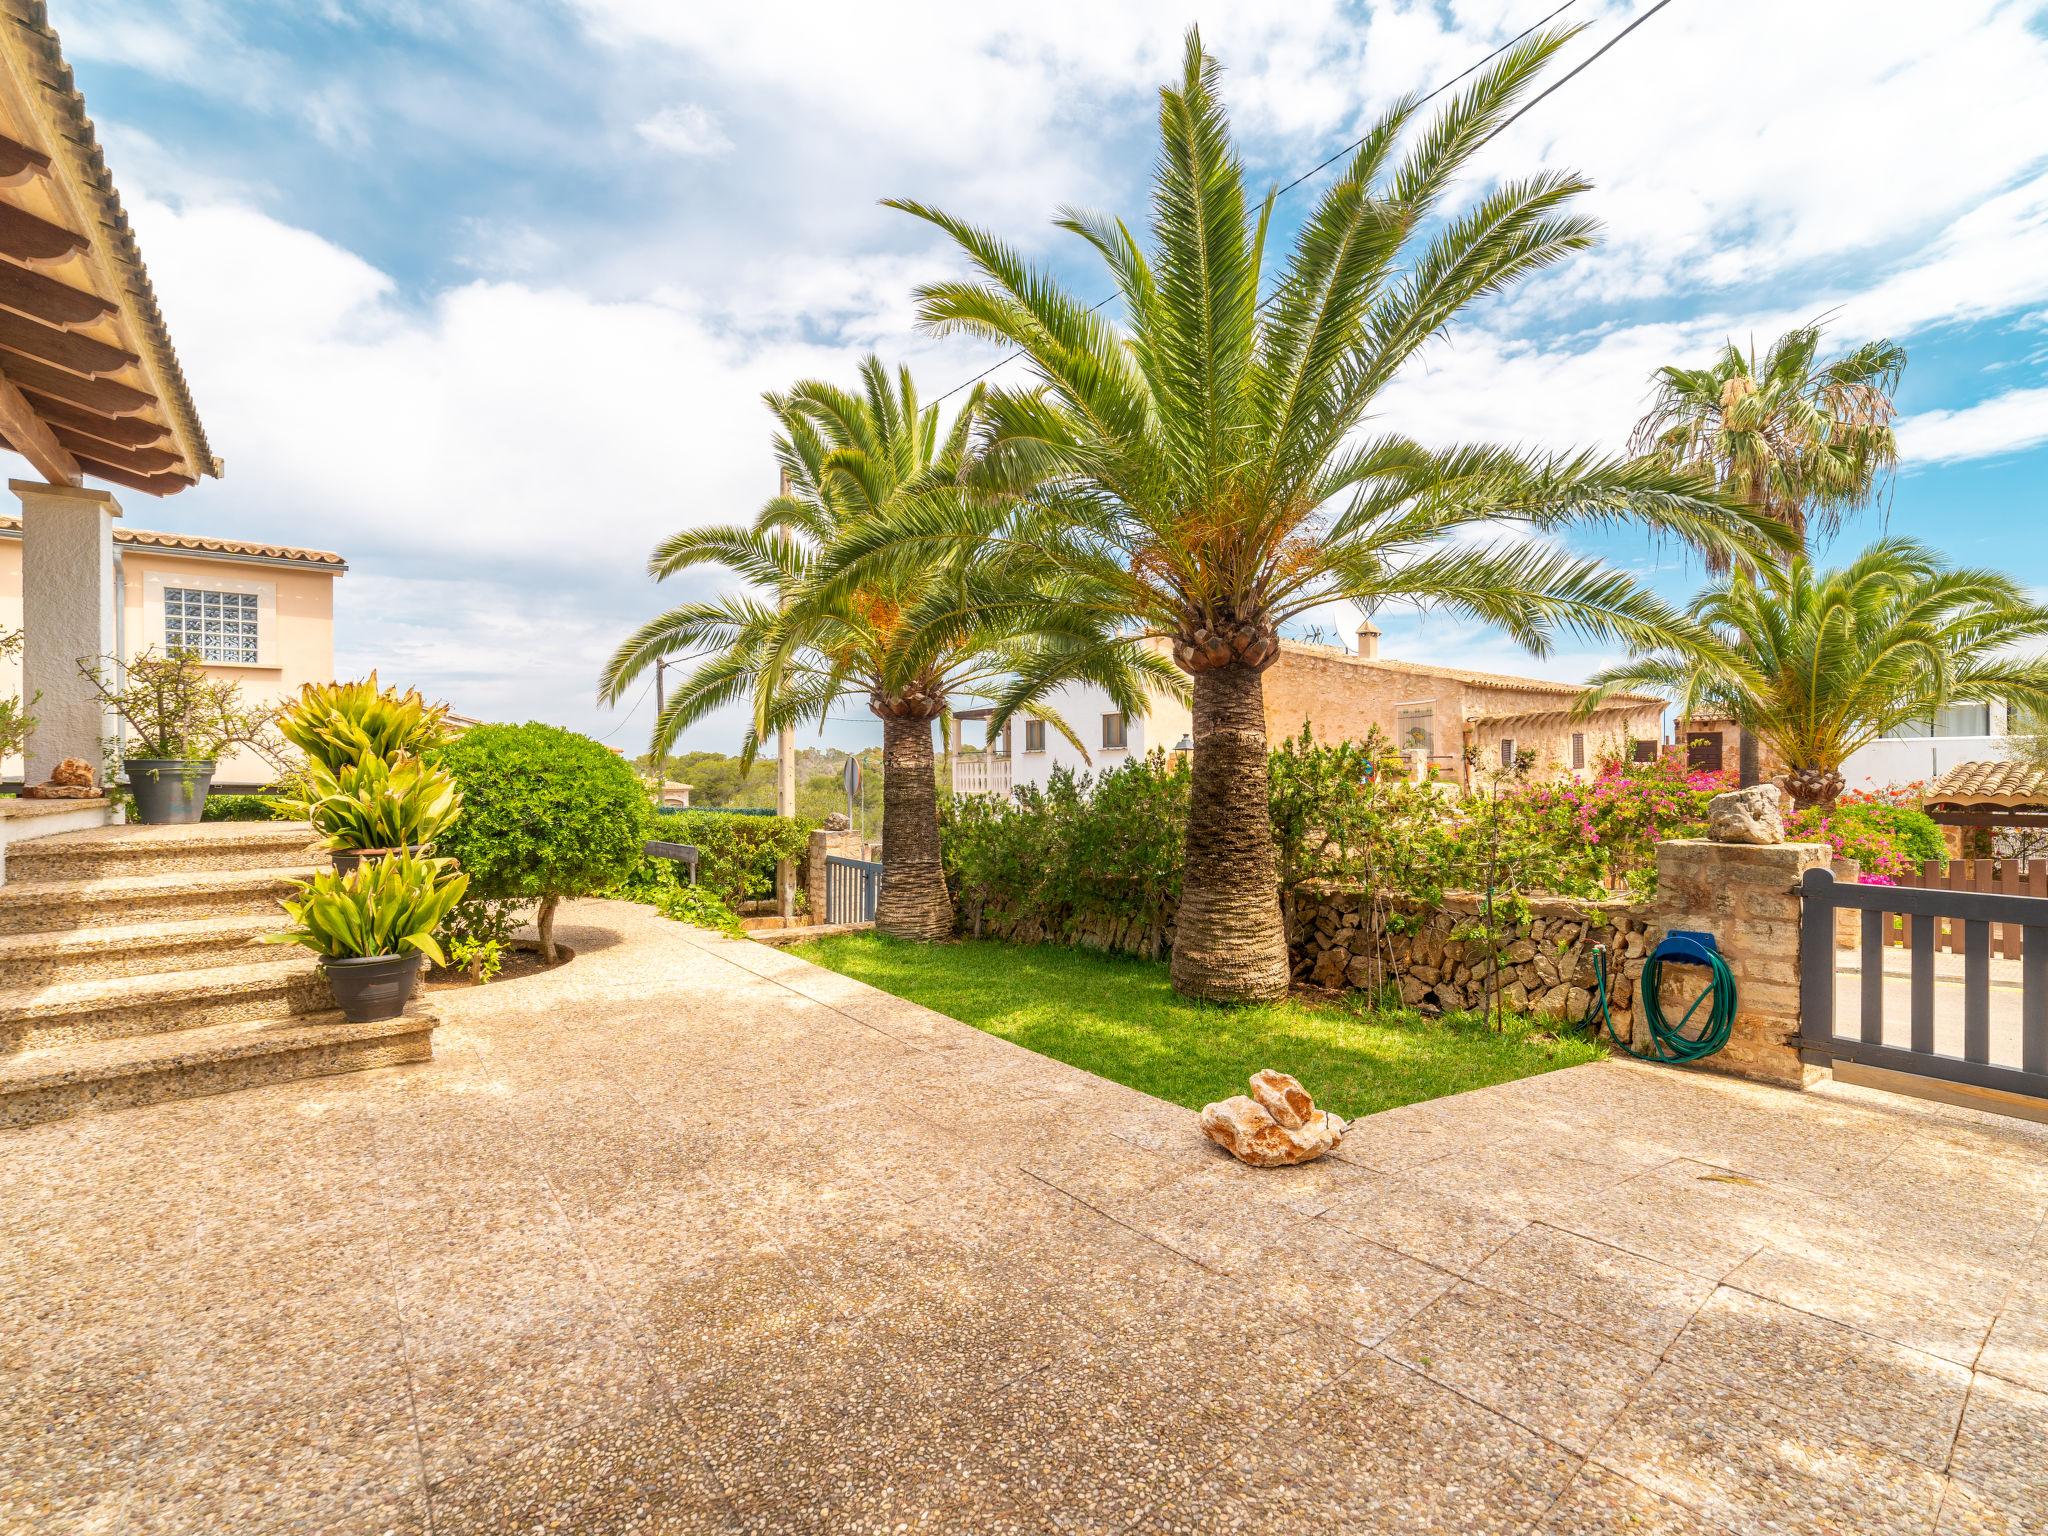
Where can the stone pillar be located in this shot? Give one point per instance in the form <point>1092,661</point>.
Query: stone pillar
<point>842,844</point>
<point>68,606</point>
<point>1747,896</point>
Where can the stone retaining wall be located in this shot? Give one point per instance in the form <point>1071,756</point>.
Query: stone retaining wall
<point>1149,935</point>
<point>1546,968</point>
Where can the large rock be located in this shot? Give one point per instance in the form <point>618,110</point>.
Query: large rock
<point>1256,1130</point>
<point>1753,815</point>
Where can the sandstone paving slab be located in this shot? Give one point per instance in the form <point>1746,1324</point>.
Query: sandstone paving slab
<point>1941,1309</point>
<point>1372,1453</point>
<point>1596,1285</point>
<point>1600,1504</point>
<point>1757,1467</point>
<point>1998,1450</point>
<point>1557,1380</point>
<point>2017,1345</point>
<point>685,1237</point>
<point>1422,1222</point>
<point>1902,1399</point>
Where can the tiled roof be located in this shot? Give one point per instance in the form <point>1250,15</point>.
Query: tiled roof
<point>33,19</point>
<point>199,544</point>
<point>2005,782</point>
<point>1500,680</point>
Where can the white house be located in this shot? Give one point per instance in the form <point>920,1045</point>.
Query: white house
<point>1962,733</point>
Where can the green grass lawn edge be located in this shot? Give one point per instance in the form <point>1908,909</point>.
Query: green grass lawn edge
<point>1118,1017</point>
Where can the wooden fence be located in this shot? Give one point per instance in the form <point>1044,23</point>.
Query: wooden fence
<point>2006,877</point>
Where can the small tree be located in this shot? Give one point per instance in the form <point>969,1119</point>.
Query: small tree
<point>546,814</point>
<point>16,723</point>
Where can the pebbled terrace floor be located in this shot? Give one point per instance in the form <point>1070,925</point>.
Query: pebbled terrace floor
<point>693,1236</point>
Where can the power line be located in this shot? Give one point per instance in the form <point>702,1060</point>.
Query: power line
<point>630,712</point>
<point>1320,167</point>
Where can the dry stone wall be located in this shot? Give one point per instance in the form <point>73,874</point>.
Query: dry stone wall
<point>1338,939</point>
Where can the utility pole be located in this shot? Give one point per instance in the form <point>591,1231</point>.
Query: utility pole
<point>785,789</point>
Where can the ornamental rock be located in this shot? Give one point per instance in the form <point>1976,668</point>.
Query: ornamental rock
<point>1276,1125</point>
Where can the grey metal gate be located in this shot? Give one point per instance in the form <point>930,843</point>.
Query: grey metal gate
<point>1957,1022</point>
<point>852,887</point>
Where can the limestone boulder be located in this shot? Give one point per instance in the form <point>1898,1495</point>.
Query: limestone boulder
<point>1253,1128</point>
<point>1755,815</point>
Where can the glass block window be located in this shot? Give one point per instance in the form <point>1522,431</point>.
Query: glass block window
<point>217,627</point>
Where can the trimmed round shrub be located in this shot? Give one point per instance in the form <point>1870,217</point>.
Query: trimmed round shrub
<point>546,814</point>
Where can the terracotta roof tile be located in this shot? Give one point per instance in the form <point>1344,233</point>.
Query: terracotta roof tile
<point>201,544</point>
<point>2006,782</point>
<point>1500,680</point>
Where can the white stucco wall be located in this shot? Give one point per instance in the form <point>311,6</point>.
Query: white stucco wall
<point>1082,706</point>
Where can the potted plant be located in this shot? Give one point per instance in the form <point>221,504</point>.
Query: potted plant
<point>372,928</point>
<point>338,724</point>
<point>178,723</point>
<point>368,810</point>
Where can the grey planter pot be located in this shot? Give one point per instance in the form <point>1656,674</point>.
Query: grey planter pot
<point>348,860</point>
<point>376,987</point>
<point>167,791</point>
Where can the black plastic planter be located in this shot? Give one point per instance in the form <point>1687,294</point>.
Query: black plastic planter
<point>167,791</point>
<point>378,987</point>
<point>348,860</point>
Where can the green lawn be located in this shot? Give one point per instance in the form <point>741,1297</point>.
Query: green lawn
<point>1118,1018</point>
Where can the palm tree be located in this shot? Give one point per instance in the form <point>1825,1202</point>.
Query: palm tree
<point>935,633</point>
<point>1802,441</point>
<point>1203,471</point>
<point>1817,663</point>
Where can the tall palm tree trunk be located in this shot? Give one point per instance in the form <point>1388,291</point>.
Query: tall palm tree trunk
<point>1228,942</point>
<point>914,902</point>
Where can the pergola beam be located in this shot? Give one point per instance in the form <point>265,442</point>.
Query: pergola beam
<point>20,163</point>
<point>29,436</point>
<point>141,461</point>
<point>101,395</point>
<point>120,431</point>
<point>62,349</point>
<point>26,238</point>
<point>45,299</point>
<point>155,485</point>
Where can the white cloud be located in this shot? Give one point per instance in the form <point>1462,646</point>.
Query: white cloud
<point>686,129</point>
<point>2016,419</point>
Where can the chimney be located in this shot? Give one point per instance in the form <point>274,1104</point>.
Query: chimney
<point>1368,642</point>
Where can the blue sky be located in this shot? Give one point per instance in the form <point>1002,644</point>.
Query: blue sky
<point>531,264</point>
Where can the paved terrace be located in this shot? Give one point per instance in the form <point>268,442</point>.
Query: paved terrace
<point>692,1236</point>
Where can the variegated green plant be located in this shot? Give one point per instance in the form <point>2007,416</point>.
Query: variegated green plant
<point>375,804</point>
<point>393,907</point>
<point>336,724</point>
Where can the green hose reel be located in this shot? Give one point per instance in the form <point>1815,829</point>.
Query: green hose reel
<point>1682,1042</point>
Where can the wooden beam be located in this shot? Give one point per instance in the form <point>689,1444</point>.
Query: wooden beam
<point>28,436</point>
<point>19,163</point>
<point>101,395</point>
<point>141,461</point>
<point>121,431</point>
<point>45,299</point>
<point>24,237</point>
<point>155,485</point>
<point>62,349</point>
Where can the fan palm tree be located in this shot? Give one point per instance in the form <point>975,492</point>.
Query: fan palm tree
<point>932,635</point>
<point>1203,472</point>
<point>1817,663</point>
<point>1803,441</point>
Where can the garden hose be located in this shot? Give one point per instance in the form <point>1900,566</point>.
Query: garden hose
<point>1669,1042</point>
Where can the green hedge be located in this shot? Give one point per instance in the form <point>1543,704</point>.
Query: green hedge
<point>736,854</point>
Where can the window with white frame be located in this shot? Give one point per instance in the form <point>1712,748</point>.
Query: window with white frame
<point>1034,735</point>
<point>1114,733</point>
<point>217,627</point>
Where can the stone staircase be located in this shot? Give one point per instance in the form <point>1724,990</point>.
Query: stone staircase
<point>132,971</point>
